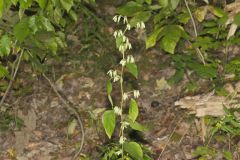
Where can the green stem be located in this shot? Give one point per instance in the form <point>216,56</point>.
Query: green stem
<point>122,101</point>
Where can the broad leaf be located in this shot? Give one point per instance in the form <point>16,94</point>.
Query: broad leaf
<point>4,72</point>
<point>42,3</point>
<point>132,68</point>
<point>217,11</point>
<point>109,122</point>
<point>73,15</point>
<point>141,16</point>
<point>152,39</point>
<point>148,1</point>
<point>109,91</point>
<point>25,4</point>
<point>130,9</point>
<point>67,4</point>
<point>21,30</point>
<point>109,87</point>
<point>174,3</point>
<point>134,150</point>
<point>172,34</point>
<point>169,44</point>
<point>52,45</point>
<point>1,7</point>
<point>133,110</point>
<point>5,45</point>
<point>163,3</point>
<point>137,126</point>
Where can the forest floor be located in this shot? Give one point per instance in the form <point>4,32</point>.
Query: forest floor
<point>50,132</point>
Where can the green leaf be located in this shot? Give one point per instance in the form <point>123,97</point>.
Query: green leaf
<point>228,155</point>
<point>21,30</point>
<point>73,15</point>
<point>109,87</point>
<point>148,1</point>
<point>218,12</point>
<point>67,4</point>
<point>137,126</point>
<point>52,45</point>
<point>174,3</point>
<point>168,44</point>
<point>133,110</point>
<point>237,19</point>
<point>42,3</point>
<point>14,2</point>
<point>140,16</point>
<point>152,39</point>
<point>134,150</point>
<point>25,4</point>
<point>172,34</point>
<point>130,9</point>
<point>1,7</point>
<point>109,122</point>
<point>163,3</point>
<point>5,46</point>
<point>4,72</point>
<point>132,68</point>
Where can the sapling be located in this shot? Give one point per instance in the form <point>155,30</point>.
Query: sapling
<point>128,149</point>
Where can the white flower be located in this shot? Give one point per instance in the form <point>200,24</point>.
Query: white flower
<point>115,34</point>
<point>128,45</point>
<point>125,96</point>
<point>122,140</point>
<point>138,25</point>
<point>128,27</point>
<point>122,48</point>
<point>130,59</point>
<point>115,18</point>
<point>124,38</point>
<point>119,19</point>
<point>110,73</point>
<point>124,125</point>
<point>116,78</point>
<point>142,25</point>
<point>136,93</point>
<point>123,62</point>
<point>117,110</point>
<point>119,152</point>
<point>125,21</point>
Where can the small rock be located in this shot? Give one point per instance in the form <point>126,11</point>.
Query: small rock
<point>155,104</point>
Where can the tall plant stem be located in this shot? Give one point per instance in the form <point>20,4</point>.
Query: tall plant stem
<point>195,32</point>
<point>122,101</point>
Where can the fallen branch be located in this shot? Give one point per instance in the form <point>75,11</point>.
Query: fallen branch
<point>71,110</point>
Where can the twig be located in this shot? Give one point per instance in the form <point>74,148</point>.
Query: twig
<point>71,110</point>
<point>192,19</point>
<point>195,32</point>
<point>175,128</point>
<point>12,80</point>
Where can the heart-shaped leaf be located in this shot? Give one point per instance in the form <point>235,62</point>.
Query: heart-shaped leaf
<point>134,150</point>
<point>109,122</point>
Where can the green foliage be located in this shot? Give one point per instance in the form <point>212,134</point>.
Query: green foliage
<point>109,122</point>
<point>9,121</point>
<point>229,124</point>
<point>166,31</point>
<point>133,110</point>
<point>125,149</point>
<point>134,150</point>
